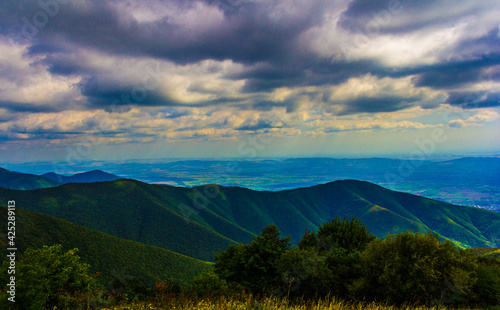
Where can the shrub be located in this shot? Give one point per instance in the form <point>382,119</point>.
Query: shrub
<point>416,268</point>
<point>311,273</point>
<point>487,288</point>
<point>253,265</point>
<point>351,235</point>
<point>209,284</point>
<point>325,263</point>
<point>48,278</point>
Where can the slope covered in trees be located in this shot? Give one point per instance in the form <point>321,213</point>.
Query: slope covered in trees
<point>197,221</point>
<point>109,255</point>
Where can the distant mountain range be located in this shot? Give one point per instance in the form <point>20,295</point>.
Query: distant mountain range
<point>17,180</point>
<point>218,216</point>
<point>84,177</point>
<point>25,181</point>
<point>471,181</point>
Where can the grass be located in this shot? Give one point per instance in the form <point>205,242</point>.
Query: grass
<point>250,303</point>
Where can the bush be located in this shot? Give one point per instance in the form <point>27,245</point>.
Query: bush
<point>302,272</point>
<point>165,291</point>
<point>209,284</point>
<point>416,268</point>
<point>325,263</point>
<point>310,273</point>
<point>132,290</point>
<point>487,288</point>
<point>350,235</point>
<point>253,265</point>
<point>48,278</point>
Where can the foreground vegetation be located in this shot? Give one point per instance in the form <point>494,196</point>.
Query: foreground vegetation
<point>342,266</point>
<point>251,303</point>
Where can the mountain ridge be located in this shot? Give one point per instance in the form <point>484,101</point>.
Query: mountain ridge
<point>83,177</point>
<point>156,214</point>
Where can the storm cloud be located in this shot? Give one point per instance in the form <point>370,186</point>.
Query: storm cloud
<point>228,65</point>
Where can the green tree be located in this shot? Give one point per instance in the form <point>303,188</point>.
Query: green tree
<point>304,273</point>
<point>416,268</point>
<point>351,235</point>
<point>254,265</point>
<point>208,283</point>
<point>50,277</point>
<point>486,291</point>
<point>327,262</point>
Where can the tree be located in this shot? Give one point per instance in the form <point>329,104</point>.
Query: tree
<point>254,265</point>
<point>49,277</point>
<point>486,291</point>
<point>325,263</point>
<point>417,268</point>
<point>208,284</point>
<point>351,235</point>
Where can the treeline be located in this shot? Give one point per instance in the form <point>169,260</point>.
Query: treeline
<point>345,260</point>
<point>342,260</point>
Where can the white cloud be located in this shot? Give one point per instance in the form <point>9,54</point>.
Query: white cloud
<point>484,116</point>
<point>25,80</point>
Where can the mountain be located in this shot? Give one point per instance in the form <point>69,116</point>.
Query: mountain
<point>127,209</point>
<point>218,216</point>
<point>107,254</point>
<point>17,180</point>
<point>84,177</point>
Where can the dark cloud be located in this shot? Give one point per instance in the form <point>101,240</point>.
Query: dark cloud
<point>379,17</point>
<point>269,47</point>
<point>473,100</point>
<point>450,77</point>
<point>259,125</point>
<point>267,105</point>
<point>484,45</point>
<point>111,95</point>
<point>375,105</point>
<point>116,96</point>
<point>465,69</point>
<point>309,72</point>
<point>248,35</point>
<point>174,113</point>
<point>14,106</point>
<point>67,65</point>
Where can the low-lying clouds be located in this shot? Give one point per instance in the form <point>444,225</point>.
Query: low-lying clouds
<point>217,69</point>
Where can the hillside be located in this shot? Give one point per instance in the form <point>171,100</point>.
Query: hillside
<point>84,177</point>
<point>382,210</point>
<point>127,209</point>
<point>106,254</point>
<point>151,214</point>
<point>487,252</point>
<point>17,180</point>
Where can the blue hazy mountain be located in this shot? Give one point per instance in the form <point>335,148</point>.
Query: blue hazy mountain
<point>84,177</point>
<point>469,181</point>
<point>17,180</point>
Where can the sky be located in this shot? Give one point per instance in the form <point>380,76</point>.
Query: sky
<point>116,80</point>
